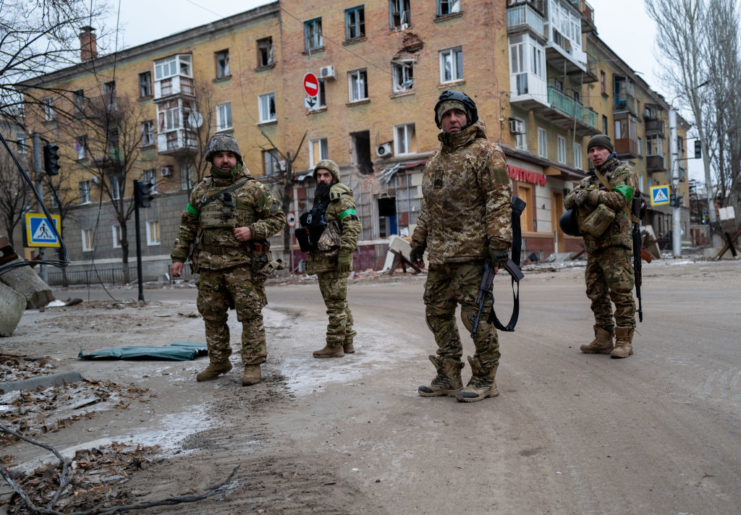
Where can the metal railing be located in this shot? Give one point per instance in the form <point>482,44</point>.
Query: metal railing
<point>571,107</point>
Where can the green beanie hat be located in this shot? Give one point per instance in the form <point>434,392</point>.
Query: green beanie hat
<point>600,140</point>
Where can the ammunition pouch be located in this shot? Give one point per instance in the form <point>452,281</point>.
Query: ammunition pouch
<point>330,240</point>
<point>596,223</point>
<point>312,227</point>
<point>263,264</point>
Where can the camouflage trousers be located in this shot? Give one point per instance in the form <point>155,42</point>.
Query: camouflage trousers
<point>219,290</point>
<point>334,292</point>
<point>609,277</point>
<point>447,286</point>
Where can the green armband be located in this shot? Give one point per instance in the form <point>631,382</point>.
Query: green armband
<point>190,209</point>
<point>348,212</point>
<point>626,191</point>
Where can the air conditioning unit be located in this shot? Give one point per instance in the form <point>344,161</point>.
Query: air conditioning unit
<point>95,179</point>
<point>166,171</point>
<point>383,150</point>
<point>326,72</point>
<point>516,126</point>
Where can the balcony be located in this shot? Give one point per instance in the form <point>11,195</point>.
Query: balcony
<point>524,18</point>
<point>178,142</point>
<point>174,86</point>
<point>587,19</point>
<point>654,128</point>
<point>655,164</point>
<point>626,147</point>
<point>528,91</point>
<point>569,114</point>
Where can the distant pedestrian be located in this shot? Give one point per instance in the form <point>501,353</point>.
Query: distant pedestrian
<point>465,218</point>
<point>603,202</point>
<point>225,227</point>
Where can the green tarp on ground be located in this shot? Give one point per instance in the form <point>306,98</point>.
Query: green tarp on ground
<point>178,351</point>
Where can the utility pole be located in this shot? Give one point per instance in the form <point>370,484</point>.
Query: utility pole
<point>674,169</point>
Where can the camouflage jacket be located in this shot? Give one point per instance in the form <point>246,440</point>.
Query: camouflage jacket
<point>467,199</point>
<point>621,176</point>
<point>341,210</point>
<point>211,225</point>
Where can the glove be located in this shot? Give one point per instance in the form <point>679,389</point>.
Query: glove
<point>592,198</point>
<point>580,197</point>
<point>416,254</point>
<point>344,262</point>
<point>499,255</point>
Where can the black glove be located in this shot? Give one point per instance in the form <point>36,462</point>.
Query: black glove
<point>415,256</point>
<point>499,255</point>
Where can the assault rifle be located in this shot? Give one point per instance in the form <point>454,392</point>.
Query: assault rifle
<point>637,267</point>
<point>486,290</point>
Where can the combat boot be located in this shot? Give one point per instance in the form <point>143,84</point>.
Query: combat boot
<point>213,370</point>
<point>330,352</point>
<point>348,347</point>
<point>602,343</point>
<point>623,342</point>
<point>447,381</point>
<point>481,385</point>
<point>251,375</point>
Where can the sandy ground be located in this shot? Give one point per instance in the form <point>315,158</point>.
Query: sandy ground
<point>657,433</point>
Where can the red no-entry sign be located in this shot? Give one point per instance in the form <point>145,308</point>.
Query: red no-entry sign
<point>311,84</point>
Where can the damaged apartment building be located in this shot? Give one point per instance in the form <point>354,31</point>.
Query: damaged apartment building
<point>542,79</point>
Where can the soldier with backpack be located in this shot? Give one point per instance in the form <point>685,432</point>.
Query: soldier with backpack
<point>465,219</point>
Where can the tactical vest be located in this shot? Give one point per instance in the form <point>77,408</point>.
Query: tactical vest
<point>220,212</point>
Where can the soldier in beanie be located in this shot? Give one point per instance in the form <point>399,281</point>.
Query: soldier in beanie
<point>331,260</point>
<point>603,202</point>
<point>465,218</point>
<point>225,226</point>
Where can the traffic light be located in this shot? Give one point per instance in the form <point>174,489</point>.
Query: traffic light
<point>143,194</point>
<point>698,149</point>
<point>51,158</point>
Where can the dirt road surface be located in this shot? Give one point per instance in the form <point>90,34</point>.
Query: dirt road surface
<point>570,433</point>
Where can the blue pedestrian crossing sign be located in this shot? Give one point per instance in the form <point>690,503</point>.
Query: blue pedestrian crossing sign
<point>660,195</point>
<point>39,232</point>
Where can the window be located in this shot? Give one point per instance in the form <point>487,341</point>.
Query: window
<point>604,124</point>
<point>78,99</point>
<point>20,141</point>
<point>81,147</point>
<point>577,155</point>
<point>116,229</point>
<point>445,7</point>
<point>266,106</point>
<point>147,133</point>
<point>48,109</point>
<point>115,187</point>
<point>150,176</point>
<point>87,240</point>
<point>318,150</point>
<point>271,162</point>
<point>153,233</point>
<point>222,64</point>
<point>358,85</point>
<point>399,14</point>
<point>404,139</point>
<point>602,83</point>
<point>224,116</point>
<point>84,192</point>
<point>640,146</point>
<point>169,116</point>
<point>561,149</point>
<point>520,137</point>
<point>313,35</point>
<point>265,52</point>
<point>171,66</point>
<point>145,84</point>
<point>355,23</point>
<point>109,92</point>
<point>451,65</point>
<point>403,73</point>
<point>542,142</point>
<point>187,175</point>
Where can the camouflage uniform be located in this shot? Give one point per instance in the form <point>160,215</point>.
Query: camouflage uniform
<point>466,210</point>
<point>609,272</point>
<point>333,284</point>
<point>232,272</point>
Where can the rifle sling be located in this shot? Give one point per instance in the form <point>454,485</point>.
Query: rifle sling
<point>518,206</point>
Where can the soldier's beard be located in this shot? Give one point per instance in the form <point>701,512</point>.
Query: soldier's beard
<point>322,191</point>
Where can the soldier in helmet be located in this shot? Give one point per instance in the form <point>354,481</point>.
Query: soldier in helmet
<point>607,191</point>
<point>465,218</point>
<point>226,225</point>
<point>333,213</point>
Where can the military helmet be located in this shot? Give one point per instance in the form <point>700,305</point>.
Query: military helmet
<point>222,143</point>
<point>569,223</point>
<point>469,106</point>
<point>330,165</point>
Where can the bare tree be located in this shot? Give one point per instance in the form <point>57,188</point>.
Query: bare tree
<point>61,199</point>
<point>683,40</point>
<point>36,37</point>
<point>15,194</point>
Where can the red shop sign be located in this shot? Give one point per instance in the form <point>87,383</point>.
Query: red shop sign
<point>523,175</point>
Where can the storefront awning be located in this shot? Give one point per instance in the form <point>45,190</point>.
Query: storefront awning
<point>387,173</point>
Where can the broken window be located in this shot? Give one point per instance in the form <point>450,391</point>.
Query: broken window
<point>224,116</point>
<point>265,52</point>
<point>445,7</point>
<point>145,84</point>
<point>399,14</point>
<point>451,65</point>
<point>403,73</point>
<point>271,162</point>
<point>222,64</point>
<point>267,108</point>
<point>318,150</point>
<point>313,35</point>
<point>358,85</point>
<point>355,23</point>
